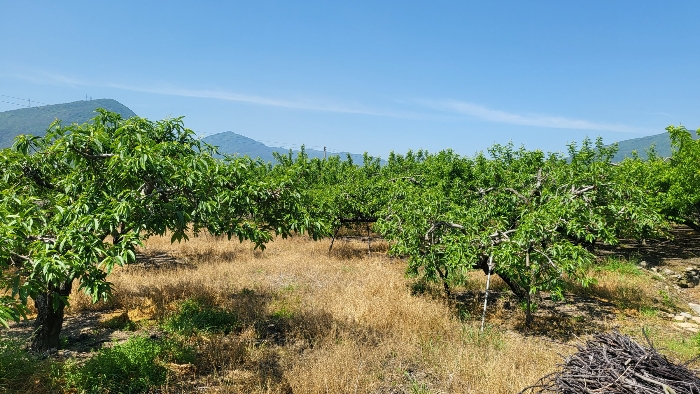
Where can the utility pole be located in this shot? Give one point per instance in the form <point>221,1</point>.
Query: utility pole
<point>324,153</point>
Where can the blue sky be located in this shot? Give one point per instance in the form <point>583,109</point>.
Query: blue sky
<point>368,76</point>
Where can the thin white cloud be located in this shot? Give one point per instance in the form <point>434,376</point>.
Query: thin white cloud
<point>266,101</point>
<point>493,115</point>
<point>310,105</point>
<point>454,107</point>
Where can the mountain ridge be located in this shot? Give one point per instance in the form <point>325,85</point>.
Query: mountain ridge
<point>36,120</point>
<point>661,143</point>
<point>232,143</point>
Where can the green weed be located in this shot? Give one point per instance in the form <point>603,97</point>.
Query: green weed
<point>134,366</point>
<point>16,365</point>
<point>417,387</point>
<point>620,266</point>
<point>667,299</point>
<point>686,348</point>
<point>648,311</point>
<point>194,316</point>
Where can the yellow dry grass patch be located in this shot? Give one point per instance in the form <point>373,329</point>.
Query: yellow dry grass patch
<point>314,323</point>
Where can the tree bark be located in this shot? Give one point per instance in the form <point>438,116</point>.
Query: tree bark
<point>443,277</point>
<point>528,312</point>
<point>48,323</point>
<point>514,287</point>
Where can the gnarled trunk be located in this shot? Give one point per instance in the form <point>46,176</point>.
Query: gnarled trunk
<point>47,326</point>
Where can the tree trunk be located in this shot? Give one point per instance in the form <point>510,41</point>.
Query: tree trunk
<point>445,284</point>
<point>514,287</point>
<point>47,326</point>
<point>528,312</point>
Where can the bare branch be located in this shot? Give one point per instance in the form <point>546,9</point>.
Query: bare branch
<point>90,156</point>
<point>500,236</point>
<point>21,257</point>
<point>359,219</point>
<point>483,192</point>
<point>510,189</point>
<point>561,273</point>
<point>582,190</point>
<point>407,178</point>
<point>43,238</point>
<point>435,225</point>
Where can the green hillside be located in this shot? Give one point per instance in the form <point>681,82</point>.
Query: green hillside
<point>35,120</point>
<point>661,142</point>
<point>232,143</point>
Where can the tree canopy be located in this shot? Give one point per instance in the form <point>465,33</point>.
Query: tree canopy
<point>79,200</point>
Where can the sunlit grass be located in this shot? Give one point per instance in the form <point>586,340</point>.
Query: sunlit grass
<point>295,318</point>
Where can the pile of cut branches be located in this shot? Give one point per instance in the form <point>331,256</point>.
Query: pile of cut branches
<point>615,363</point>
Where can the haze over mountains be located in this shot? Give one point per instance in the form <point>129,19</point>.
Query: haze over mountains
<point>35,121</point>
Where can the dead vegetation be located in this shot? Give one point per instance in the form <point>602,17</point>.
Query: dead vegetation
<point>309,322</point>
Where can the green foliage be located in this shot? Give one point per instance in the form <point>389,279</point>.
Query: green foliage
<point>684,347</point>
<point>65,193</point>
<point>338,192</point>
<point>680,183</point>
<point>194,317</point>
<point>668,300</point>
<point>134,366</point>
<point>672,185</point>
<point>16,365</point>
<point>536,217</point>
<point>648,311</point>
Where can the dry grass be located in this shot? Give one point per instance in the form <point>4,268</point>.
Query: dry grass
<point>310,322</point>
<point>315,323</point>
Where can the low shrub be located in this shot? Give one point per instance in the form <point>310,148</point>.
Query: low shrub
<point>19,370</point>
<point>194,316</point>
<point>135,366</point>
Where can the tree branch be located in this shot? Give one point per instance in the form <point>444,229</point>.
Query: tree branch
<point>34,175</point>
<point>581,190</point>
<point>43,238</point>
<point>435,225</point>
<point>500,236</point>
<point>483,191</point>
<point>86,155</point>
<point>561,274</point>
<point>407,178</point>
<point>525,199</point>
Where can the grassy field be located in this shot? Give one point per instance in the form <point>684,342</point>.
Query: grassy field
<point>211,315</point>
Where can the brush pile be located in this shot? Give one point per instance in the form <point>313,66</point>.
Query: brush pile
<point>614,363</point>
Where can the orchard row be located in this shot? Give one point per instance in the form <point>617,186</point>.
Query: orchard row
<point>79,200</point>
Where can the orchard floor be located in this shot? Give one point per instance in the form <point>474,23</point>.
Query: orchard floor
<point>311,322</point>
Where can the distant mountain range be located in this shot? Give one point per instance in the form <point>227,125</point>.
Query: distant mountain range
<point>35,121</point>
<point>661,142</point>
<point>235,144</point>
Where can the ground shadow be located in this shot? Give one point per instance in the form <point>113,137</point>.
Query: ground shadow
<point>560,320</point>
<point>683,243</point>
